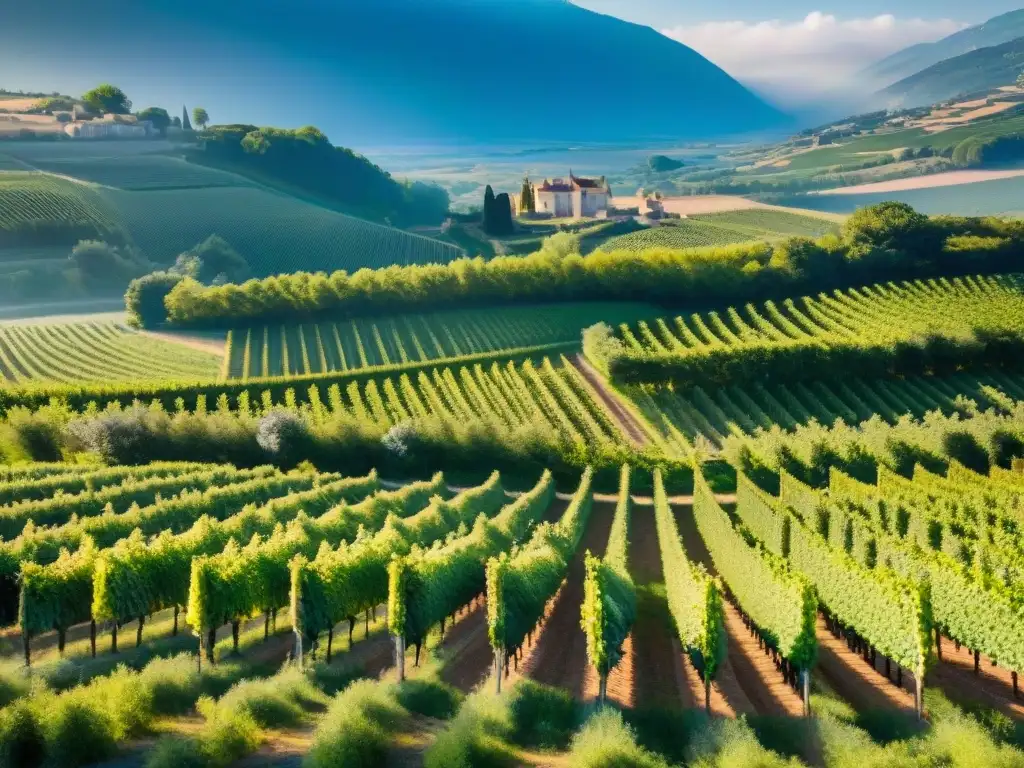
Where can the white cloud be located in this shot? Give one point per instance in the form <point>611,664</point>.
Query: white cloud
<point>814,55</point>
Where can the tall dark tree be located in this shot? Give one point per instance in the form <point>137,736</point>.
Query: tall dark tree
<point>488,209</point>
<point>526,202</point>
<point>502,215</point>
<point>186,124</point>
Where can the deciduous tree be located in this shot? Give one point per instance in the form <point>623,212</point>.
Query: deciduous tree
<point>106,99</point>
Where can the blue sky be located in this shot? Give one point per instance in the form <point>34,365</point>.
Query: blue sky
<point>659,12</point>
<point>802,52</point>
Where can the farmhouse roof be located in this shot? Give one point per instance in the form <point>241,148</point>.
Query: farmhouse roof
<point>579,182</point>
<point>573,184</point>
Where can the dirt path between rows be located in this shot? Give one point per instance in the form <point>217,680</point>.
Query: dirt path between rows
<point>748,679</point>
<point>854,679</point>
<point>663,675</point>
<point>468,655</point>
<point>991,687</point>
<point>559,653</point>
<point>627,421</point>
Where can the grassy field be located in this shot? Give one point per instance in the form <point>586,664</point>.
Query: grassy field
<point>352,345</point>
<point>722,229</point>
<point>95,352</point>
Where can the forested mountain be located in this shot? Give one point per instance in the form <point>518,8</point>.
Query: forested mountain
<point>916,58</point>
<point>983,69</point>
<point>392,71</point>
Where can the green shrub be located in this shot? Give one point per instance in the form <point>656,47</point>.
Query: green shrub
<point>174,683</point>
<point>357,728</point>
<point>22,742</point>
<point>77,732</point>
<point>177,752</point>
<point>228,734</point>
<point>726,743</point>
<point>606,740</point>
<point>542,716</point>
<point>474,737</point>
<point>430,698</point>
<point>14,683</point>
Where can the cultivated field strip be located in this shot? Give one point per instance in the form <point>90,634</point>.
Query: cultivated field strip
<point>130,575</point>
<point>140,172</point>
<point>95,351</point>
<point>717,229</point>
<point>275,233</point>
<point>28,199</point>
<point>75,479</point>
<point>954,543</point>
<point>679,419</point>
<point>553,396</point>
<point>917,307</point>
<point>352,345</point>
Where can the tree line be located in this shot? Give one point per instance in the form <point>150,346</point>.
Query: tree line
<point>889,241</point>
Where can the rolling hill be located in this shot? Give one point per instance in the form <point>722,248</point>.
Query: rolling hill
<point>394,71</point>
<point>980,70</point>
<point>910,61</point>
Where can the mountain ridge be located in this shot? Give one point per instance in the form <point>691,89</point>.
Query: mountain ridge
<point>980,70</point>
<point>401,71</point>
<point>916,58</point>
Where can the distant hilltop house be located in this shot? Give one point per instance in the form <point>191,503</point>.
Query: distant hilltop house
<point>575,198</point>
<point>111,127</point>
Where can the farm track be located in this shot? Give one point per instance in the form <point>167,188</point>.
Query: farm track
<point>630,426</point>
<point>854,679</point>
<point>992,687</point>
<point>559,653</point>
<point>748,680</point>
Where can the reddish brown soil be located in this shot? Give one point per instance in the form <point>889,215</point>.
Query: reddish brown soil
<point>627,421</point>
<point>559,653</point>
<point>853,678</point>
<point>991,687</point>
<point>748,680</point>
<point>662,674</point>
<point>467,650</point>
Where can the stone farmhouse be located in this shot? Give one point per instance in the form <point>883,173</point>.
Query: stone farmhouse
<point>575,198</point>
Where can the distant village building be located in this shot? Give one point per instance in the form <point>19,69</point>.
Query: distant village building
<point>111,127</point>
<point>575,198</point>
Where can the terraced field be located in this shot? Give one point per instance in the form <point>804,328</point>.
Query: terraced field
<point>353,345</point>
<point>95,352</point>
<point>715,229</point>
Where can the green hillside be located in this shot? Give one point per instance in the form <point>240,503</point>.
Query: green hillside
<point>272,231</point>
<point>357,344</point>
<point>980,70</point>
<point>905,63</point>
<point>55,194</point>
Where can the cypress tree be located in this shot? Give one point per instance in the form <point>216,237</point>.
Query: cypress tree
<point>186,124</point>
<point>489,210</point>
<point>526,203</point>
<point>502,218</point>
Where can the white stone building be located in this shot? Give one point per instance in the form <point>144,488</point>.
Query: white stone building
<point>575,198</point>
